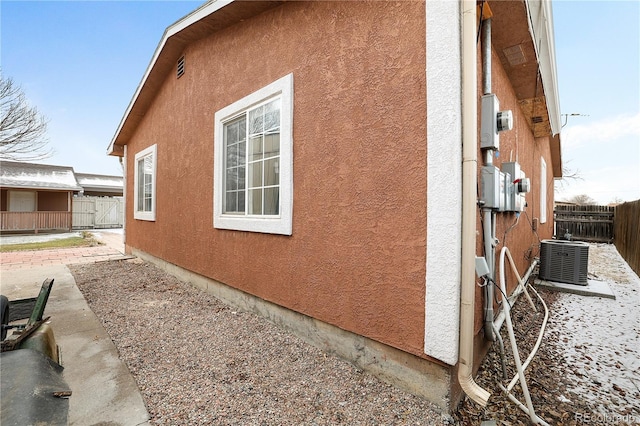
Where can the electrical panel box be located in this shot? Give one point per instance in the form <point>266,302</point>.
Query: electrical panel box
<point>492,122</point>
<point>489,137</point>
<point>493,187</point>
<point>482,269</point>
<point>516,185</point>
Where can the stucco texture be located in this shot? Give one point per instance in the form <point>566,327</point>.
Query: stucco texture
<point>356,257</point>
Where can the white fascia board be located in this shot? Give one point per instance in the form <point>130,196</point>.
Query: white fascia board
<point>205,10</point>
<point>540,18</point>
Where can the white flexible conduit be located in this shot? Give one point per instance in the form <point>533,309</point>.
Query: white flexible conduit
<point>516,294</point>
<point>514,347</point>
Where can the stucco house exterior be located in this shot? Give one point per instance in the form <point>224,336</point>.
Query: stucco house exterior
<point>42,197</point>
<point>320,163</point>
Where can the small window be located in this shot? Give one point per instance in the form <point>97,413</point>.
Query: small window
<point>253,160</point>
<point>180,67</point>
<point>543,191</point>
<point>145,184</point>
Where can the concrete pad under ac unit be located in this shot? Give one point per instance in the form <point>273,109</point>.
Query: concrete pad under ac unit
<point>593,288</point>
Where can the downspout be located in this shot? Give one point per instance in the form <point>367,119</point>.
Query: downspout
<point>469,183</point>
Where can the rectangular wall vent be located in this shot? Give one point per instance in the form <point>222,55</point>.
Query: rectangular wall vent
<point>515,55</point>
<point>180,67</point>
<point>564,261</point>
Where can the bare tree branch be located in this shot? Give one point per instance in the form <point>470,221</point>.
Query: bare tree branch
<point>22,128</point>
<point>568,174</point>
<point>583,200</point>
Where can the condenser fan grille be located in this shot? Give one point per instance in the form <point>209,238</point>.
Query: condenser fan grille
<point>564,261</point>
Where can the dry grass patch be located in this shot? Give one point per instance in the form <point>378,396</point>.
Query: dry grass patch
<point>85,240</point>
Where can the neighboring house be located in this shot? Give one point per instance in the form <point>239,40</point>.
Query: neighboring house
<point>319,163</point>
<point>36,197</point>
<point>40,197</point>
<point>100,185</point>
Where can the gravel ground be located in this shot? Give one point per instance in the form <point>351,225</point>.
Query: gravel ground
<point>198,361</point>
<point>587,370</point>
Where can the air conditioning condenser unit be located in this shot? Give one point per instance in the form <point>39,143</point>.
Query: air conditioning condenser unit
<point>564,261</point>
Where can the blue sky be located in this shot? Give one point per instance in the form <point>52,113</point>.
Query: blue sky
<point>79,63</point>
<point>598,59</point>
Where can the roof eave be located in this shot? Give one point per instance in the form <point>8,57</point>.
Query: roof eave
<point>556,156</point>
<point>541,29</point>
<point>175,38</point>
<point>40,188</point>
<point>523,39</point>
<point>102,188</point>
<point>115,147</point>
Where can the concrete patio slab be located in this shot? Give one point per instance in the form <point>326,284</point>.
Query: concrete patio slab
<point>104,391</point>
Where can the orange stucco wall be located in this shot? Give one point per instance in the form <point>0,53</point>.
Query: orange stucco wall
<point>356,258</point>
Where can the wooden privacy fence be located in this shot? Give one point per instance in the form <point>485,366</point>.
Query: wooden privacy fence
<point>98,212</point>
<point>35,221</point>
<point>585,223</point>
<point>627,232</point>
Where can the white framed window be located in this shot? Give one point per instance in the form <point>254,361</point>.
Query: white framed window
<point>145,184</point>
<point>253,161</point>
<point>543,191</point>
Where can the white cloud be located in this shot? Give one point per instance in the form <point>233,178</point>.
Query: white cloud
<point>606,155</point>
<point>604,130</point>
<point>603,185</point>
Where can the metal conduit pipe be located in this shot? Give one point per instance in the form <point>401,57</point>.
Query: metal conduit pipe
<point>503,357</point>
<point>489,255</point>
<point>489,216</point>
<point>486,56</point>
<point>469,182</point>
<point>486,71</point>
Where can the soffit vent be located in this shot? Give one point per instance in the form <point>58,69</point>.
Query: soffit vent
<point>180,67</point>
<point>515,55</point>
